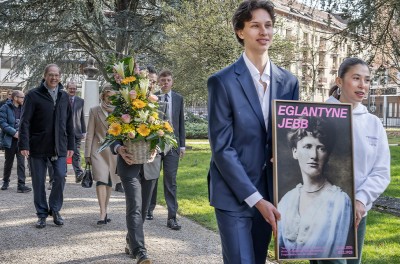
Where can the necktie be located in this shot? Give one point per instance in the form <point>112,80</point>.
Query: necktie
<point>166,112</point>
<point>71,101</point>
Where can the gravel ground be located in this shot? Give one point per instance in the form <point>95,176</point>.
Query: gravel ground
<point>81,240</point>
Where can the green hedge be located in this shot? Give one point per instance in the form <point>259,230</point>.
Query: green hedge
<point>196,130</point>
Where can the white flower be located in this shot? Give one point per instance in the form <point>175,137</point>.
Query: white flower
<point>143,115</point>
<point>144,85</point>
<point>125,95</point>
<point>119,68</point>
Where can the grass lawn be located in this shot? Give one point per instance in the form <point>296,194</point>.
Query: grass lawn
<point>383,238</point>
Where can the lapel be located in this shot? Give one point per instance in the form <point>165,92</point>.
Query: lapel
<point>174,104</point>
<point>102,117</point>
<point>247,84</point>
<point>277,88</point>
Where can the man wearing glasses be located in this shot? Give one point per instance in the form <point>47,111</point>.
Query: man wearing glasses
<point>79,128</point>
<point>10,114</point>
<point>47,134</point>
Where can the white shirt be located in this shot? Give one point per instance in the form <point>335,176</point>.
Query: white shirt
<point>263,96</point>
<point>264,99</point>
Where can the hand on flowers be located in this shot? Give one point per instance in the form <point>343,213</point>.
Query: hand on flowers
<point>128,158</point>
<point>360,212</point>
<point>269,212</point>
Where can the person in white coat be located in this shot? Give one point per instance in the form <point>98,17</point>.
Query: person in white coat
<point>370,144</point>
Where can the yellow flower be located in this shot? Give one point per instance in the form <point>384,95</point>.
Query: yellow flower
<point>128,80</point>
<point>138,103</point>
<point>155,115</point>
<point>143,130</point>
<point>168,127</point>
<point>115,129</point>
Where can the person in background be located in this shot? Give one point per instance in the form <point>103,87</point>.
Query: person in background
<point>104,163</point>
<point>77,104</point>
<point>152,169</point>
<point>9,97</point>
<point>240,133</point>
<point>47,132</point>
<point>370,146</point>
<point>10,115</point>
<point>173,112</point>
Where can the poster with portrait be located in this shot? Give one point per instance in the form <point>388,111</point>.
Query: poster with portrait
<point>314,180</point>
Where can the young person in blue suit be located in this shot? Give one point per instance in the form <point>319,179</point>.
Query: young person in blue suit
<point>240,133</point>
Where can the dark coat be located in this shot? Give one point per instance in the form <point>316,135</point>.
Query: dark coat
<point>178,118</point>
<point>78,117</point>
<point>241,145</point>
<point>7,123</point>
<point>46,129</point>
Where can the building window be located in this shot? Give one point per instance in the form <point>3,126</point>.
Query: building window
<point>6,62</point>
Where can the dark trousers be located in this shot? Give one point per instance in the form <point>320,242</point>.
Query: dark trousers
<point>131,179</point>
<point>245,236</point>
<point>170,162</point>
<point>9,154</point>
<point>38,171</point>
<point>153,199</point>
<point>76,158</point>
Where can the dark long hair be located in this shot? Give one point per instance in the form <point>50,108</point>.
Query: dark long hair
<point>346,65</point>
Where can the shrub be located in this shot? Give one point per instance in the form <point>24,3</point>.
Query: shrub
<point>196,130</point>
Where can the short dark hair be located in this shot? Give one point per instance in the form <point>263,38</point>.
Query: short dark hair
<point>165,73</point>
<point>244,13</point>
<point>346,65</point>
<point>151,69</point>
<point>318,128</point>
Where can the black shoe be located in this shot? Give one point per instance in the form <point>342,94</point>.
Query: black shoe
<point>41,223</point>
<point>5,186</point>
<point>119,188</point>
<point>149,216</point>
<point>173,224</point>
<point>103,222</point>
<point>24,189</point>
<point>58,220</point>
<point>79,178</point>
<point>142,258</point>
<point>128,250</point>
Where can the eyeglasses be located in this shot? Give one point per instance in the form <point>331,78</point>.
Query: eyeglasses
<point>50,75</point>
<point>20,96</point>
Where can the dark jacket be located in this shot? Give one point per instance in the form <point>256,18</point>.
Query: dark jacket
<point>7,124</point>
<point>78,117</point>
<point>46,129</point>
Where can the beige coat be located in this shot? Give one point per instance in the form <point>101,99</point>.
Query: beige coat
<point>103,163</point>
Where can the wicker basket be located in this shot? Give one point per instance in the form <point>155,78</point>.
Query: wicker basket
<point>140,151</point>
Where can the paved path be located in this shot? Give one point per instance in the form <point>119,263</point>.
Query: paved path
<point>80,240</point>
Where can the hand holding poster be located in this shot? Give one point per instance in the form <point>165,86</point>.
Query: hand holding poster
<point>314,183</point>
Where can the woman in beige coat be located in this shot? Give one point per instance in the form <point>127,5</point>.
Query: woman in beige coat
<point>103,163</point>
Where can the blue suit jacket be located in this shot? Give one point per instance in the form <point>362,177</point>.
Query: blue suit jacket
<point>241,145</point>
